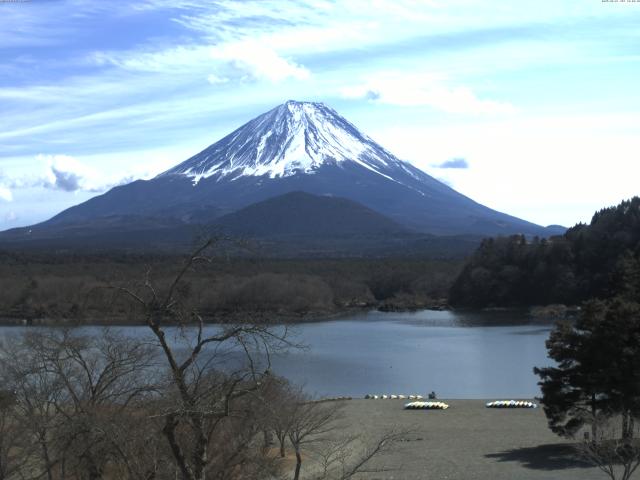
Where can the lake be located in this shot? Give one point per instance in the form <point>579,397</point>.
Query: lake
<point>457,355</point>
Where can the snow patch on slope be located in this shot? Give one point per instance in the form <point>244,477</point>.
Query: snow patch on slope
<point>296,138</point>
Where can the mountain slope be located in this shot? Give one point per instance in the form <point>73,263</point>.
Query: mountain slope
<point>294,138</point>
<point>295,147</point>
<point>303,214</point>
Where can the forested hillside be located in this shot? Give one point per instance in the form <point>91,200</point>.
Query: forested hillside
<point>588,261</point>
<point>76,288</point>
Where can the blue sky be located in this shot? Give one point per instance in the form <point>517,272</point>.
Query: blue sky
<point>532,108</point>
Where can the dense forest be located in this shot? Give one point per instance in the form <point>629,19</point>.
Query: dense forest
<point>596,260</point>
<point>78,288</point>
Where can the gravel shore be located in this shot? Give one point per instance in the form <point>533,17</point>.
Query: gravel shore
<point>468,441</point>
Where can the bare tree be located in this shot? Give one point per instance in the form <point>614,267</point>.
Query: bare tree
<point>310,422</point>
<point>72,393</point>
<point>316,428</point>
<point>277,400</point>
<point>103,376</point>
<point>37,394</point>
<point>614,450</point>
<point>13,441</point>
<point>204,381</point>
<point>350,456</point>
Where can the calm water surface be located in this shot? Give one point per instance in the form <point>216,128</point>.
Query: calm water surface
<point>489,355</point>
<point>457,355</point>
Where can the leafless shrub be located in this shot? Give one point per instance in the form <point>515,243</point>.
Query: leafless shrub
<point>614,450</point>
<point>353,456</point>
<point>72,395</point>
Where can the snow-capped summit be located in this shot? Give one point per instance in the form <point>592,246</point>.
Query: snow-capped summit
<point>293,138</point>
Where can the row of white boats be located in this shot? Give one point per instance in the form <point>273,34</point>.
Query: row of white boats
<point>511,404</point>
<point>495,404</point>
<point>426,406</point>
<point>439,405</point>
<point>435,405</point>
<point>393,397</point>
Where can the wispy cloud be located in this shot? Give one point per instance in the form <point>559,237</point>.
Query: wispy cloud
<point>258,61</point>
<point>64,173</point>
<point>456,163</point>
<point>424,90</point>
<point>171,59</point>
<point>5,194</point>
<point>245,59</point>
<point>67,181</point>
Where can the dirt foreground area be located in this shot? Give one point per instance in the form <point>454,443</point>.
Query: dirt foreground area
<point>468,441</point>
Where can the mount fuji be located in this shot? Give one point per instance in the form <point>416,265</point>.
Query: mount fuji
<point>295,147</point>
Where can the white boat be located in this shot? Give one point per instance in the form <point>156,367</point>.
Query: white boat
<point>426,406</point>
<point>511,404</point>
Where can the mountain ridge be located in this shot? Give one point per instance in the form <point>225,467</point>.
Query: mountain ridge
<point>296,146</point>
<point>295,137</point>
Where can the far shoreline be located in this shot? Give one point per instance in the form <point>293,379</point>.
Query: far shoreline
<point>544,314</point>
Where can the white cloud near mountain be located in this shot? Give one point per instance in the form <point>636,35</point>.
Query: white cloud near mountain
<point>429,90</point>
<point>456,163</point>
<point>257,60</point>
<point>214,79</point>
<point>247,59</point>
<point>67,181</point>
<point>554,191</point>
<point>63,173</point>
<point>6,194</point>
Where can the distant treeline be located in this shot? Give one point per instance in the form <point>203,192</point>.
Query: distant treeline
<point>82,288</point>
<point>598,260</point>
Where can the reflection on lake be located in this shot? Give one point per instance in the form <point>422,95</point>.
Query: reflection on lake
<point>488,355</point>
